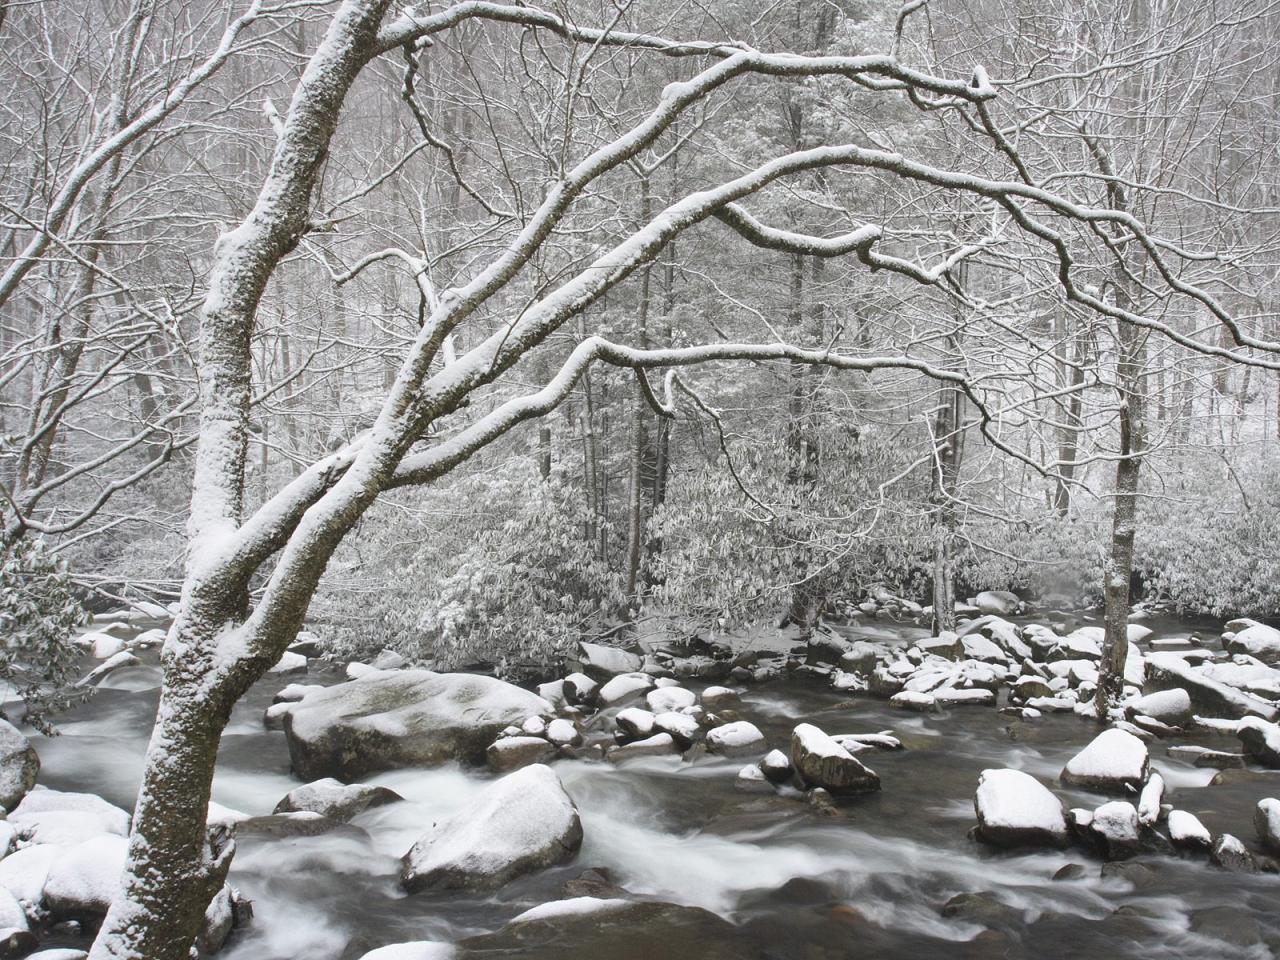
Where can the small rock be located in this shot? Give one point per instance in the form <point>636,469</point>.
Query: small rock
<point>735,739</point>
<point>776,767</point>
<point>1114,828</point>
<point>1188,833</point>
<point>658,745</point>
<point>624,687</point>
<point>512,753</point>
<point>635,723</point>
<point>563,733</point>
<point>334,799</point>
<point>1230,854</point>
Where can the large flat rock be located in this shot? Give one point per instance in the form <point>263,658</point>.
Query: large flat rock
<point>404,718</point>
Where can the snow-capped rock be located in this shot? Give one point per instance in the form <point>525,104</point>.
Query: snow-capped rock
<point>391,719</point>
<point>1230,854</point>
<point>719,698</point>
<point>600,662</point>
<point>1266,819</point>
<point>1252,638</point>
<point>624,687</point>
<point>752,780</point>
<point>85,878</point>
<point>12,916</point>
<point>1016,810</point>
<point>289,663</point>
<point>658,745</point>
<point>563,733</point>
<point>1114,828</point>
<point>911,700</point>
<point>684,729</point>
<point>521,823</point>
<point>334,799</point>
<point>1188,833</point>
<point>1150,800</point>
<point>23,872</point>
<point>579,688</point>
<point>735,739</point>
<point>54,816</point>
<point>1261,740</point>
<point>511,753</point>
<point>669,699</point>
<point>1114,762</point>
<point>1172,706</point>
<point>113,663</point>
<point>999,603</point>
<point>18,765</point>
<point>635,723</point>
<point>415,950</point>
<point>776,767</point>
<point>821,762</point>
<point>1165,670</point>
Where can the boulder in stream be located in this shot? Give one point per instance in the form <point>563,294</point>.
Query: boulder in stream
<point>84,879</point>
<point>1266,819</point>
<point>1187,832</point>
<point>55,816</point>
<point>521,823</point>
<point>1016,810</point>
<point>415,950</point>
<point>1252,638</point>
<point>1261,740</point>
<point>736,739</point>
<point>511,753</point>
<point>334,799</point>
<point>18,765</point>
<point>999,603</point>
<point>387,720</point>
<point>1114,762</point>
<point>821,762</point>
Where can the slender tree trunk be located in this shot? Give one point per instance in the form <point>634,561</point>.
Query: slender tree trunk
<point>1069,437</point>
<point>635,493</point>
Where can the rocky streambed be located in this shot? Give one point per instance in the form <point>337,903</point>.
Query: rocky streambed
<point>706,803</point>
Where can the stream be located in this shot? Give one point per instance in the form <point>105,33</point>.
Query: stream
<point>793,883</point>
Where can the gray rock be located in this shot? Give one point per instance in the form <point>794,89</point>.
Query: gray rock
<point>522,823</point>
<point>334,799</point>
<point>387,720</point>
<point>658,745</point>
<point>600,662</point>
<point>1016,810</point>
<point>998,603</point>
<point>821,762</point>
<point>511,753</point>
<point>18,766</point>
<point>1230,854</point>
<point>1261,741</point>
<point>1266,819</point>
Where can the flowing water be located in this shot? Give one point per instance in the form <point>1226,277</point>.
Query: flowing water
<point>793,883</point>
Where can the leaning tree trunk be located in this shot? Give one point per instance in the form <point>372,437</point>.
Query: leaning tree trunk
<point>174,867</point>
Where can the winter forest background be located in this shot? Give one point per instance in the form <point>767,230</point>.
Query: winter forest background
<point>458,336</point>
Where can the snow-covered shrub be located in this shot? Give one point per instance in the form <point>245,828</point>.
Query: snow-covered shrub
<point>498,567</point>
<point>39,612</point>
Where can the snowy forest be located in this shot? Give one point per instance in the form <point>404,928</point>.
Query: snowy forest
<point>629,479</point>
